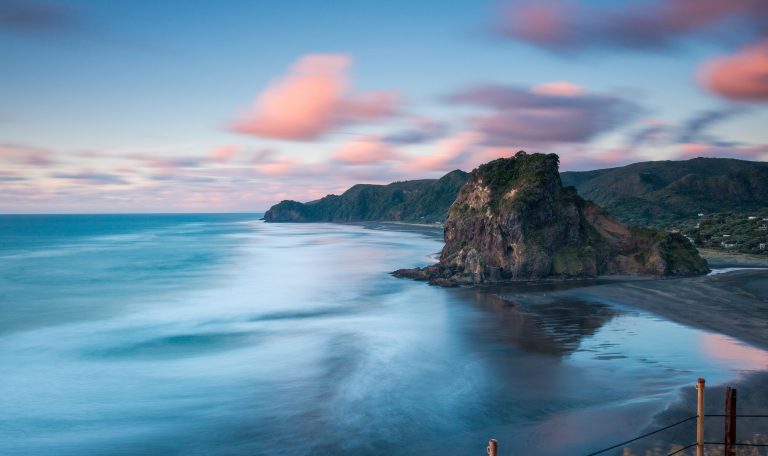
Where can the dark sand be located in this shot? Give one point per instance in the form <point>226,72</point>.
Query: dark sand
<point>734,303</point>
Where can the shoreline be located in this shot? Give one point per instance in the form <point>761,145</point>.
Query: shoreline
<point>433,230</point>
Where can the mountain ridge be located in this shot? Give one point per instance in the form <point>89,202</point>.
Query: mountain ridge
<point>654,194</point>
<point>660,193</point>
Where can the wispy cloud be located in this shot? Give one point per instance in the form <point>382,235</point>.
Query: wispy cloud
<point>26,155</point>
<point>224,153</point>
<point>423,130</point>
<point>563,25</point>
<point>544,114</point>
<point>695,128</point>
<point>33,16</point>
<point>91,177</point>
<point>366,150</point>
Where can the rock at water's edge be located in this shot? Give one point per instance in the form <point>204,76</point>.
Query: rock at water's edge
<point>513,220</point>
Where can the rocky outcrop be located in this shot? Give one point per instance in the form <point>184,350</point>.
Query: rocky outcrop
<point>513,220</point>
<point>422,201</point>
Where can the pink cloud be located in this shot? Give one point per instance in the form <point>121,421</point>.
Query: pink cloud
<point>740,76</point>
<point>458,151</point>
<point>278,167</point>
<point>562,25</point>
<point>366,150</point>
<point>224,153</point>
<point>558,88</point>
<point>311,100</point>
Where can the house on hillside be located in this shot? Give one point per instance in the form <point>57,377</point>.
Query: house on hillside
<point>762,245</point>
<point>752,217</point>
<point>674,230</point>
<point>729,244</point>
<point>764,227</point>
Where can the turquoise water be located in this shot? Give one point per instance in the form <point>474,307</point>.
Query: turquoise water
<point>220,334</point>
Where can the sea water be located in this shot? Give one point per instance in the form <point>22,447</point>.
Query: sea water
<point>224,335</point>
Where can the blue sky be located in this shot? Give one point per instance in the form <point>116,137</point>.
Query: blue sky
<point>168,106</point>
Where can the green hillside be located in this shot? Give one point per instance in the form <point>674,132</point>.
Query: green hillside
<point>666,193</point>
<point>423,201</point>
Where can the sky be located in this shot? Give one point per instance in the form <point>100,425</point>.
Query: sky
<point>232,106</point>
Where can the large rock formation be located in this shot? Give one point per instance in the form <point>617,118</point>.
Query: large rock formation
<point>513,220</point>
<point>422,201</point>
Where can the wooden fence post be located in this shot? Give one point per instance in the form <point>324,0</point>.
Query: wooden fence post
<point>727,420</point>
<point>493,447</point>
<point>730,422</point>
<point>700,418</point>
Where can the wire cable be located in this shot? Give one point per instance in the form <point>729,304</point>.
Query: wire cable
<point>643,436</point>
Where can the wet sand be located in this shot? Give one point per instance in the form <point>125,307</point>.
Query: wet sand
<point>434,230</point>
<point>752,399</point>
<point>733,303</point>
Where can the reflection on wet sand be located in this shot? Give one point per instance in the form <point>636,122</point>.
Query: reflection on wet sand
<point>551,328</point>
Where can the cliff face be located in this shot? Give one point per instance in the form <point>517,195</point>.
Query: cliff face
<point>513,220</point>
<point>425,201</point>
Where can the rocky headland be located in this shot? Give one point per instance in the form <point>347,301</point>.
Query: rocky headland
<point>513,220</point>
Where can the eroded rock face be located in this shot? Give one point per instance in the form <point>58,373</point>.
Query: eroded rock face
<point>513,220</point>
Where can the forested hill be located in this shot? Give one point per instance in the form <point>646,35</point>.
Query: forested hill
<point>665,192</point>
<point>420,201</point>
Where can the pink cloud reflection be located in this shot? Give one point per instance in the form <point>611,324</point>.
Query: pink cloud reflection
<point>727,350</point>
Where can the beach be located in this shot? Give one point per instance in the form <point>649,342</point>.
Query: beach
<point>733,303</point>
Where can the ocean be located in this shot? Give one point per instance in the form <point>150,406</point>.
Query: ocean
<point>219,334</point>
